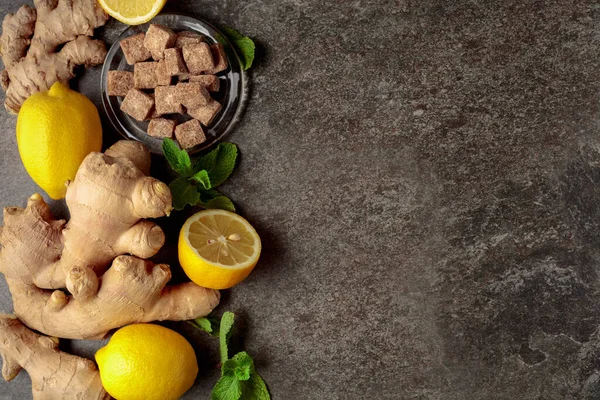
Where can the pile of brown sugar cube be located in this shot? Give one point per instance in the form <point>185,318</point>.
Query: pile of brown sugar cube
<point>149,92</point>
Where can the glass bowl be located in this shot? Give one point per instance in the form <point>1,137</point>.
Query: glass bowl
<point>232,95</point>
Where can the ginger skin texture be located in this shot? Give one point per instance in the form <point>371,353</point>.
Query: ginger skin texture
<point>54,374</point>
<point>108,200</point>
<point>131,291</point>
<point>29,41</point>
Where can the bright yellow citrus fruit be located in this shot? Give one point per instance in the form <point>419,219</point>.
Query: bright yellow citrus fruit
<point>147,362</point>
<point>132,12</point>
<point>218,249</point>
<point>56,130</point>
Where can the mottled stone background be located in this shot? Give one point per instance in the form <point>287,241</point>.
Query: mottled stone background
<point>426,179</point>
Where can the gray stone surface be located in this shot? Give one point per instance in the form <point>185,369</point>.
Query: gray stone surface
<point>425,176</point>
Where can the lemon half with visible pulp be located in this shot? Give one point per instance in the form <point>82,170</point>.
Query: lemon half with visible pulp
<point>218,249</point>
<point>132,12</point>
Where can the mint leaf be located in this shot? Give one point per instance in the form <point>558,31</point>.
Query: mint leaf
<point>208,324</point>
<point>224,333</point>
<point>220,202</point>
<point>227,388</point>
<point>244,367</point>
<point>225,163</point>
<point>209,194</point>
<point>202,178</point>
<point>178,159</point>
<point>219,163</point>
<point>204,324</point>
<point>214,199</point>
<point>240,366</point>
<point>254,388</point>
<point>244,46</point>
<point>183,193</point>
<point>208,160</point>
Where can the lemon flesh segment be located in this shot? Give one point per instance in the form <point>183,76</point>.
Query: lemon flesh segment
<point>132,12</point>
<point>218,249</point>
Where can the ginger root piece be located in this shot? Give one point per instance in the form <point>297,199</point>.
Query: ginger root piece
<point>131,291</point>
<point>108,201</point>
<point>54,374</point>
<point>29,41</point>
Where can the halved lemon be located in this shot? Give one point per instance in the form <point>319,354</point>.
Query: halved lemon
<point>218,249</point>
<point>132,12</point>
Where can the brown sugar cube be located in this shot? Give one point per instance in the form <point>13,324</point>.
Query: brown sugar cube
<point>158,39</point>
<point>212,83</point>
<point>119,82</point>
<point>162,76</point>
<point>167,101</point>
<point>161,128</point>
<point>205,114</point>
<point>189,134</point>
<point>219,58</point>
<point>188,37</point>
<point>144,75</point>
<point>183,77</point>
<point>134,50</point>
<point>174,62</point>
<point>192,94</point>
<point>137,104</point>
<point>153,113</point>
<point>198,58</point>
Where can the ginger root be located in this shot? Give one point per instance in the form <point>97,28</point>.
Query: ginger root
<point>131,291</point>
<point>108,200</point>
<point>54,374</point>
<point>29,41</point>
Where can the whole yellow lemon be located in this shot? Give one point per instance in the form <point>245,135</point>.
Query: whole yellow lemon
<point>147,362</point>
<point>56,130</point>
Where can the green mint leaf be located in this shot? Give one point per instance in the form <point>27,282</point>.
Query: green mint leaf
<point>204,324</point>
<point>242,373</point>
<point>202,178</point>
<point>219,202</point>
<point>183,193</point>
<point>225,163</point>
<point>244,46</point>
<point>219,163</point>
<point>224,333</point>
<point>209,194</point>
<point>178,159</point>
<point>209,325</point>
<point>254,388</point>
<point>228,368</point>
<point>207,161</point>
<point>227,388</point>
<point>241,365</point>
<point>214,199</point>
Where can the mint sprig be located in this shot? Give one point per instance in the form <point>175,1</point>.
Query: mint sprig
<point>244,46</point>
<point>239,379</point>
<point>196,182</point>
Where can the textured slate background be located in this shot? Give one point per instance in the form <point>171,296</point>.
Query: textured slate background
<point>425,176</point>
